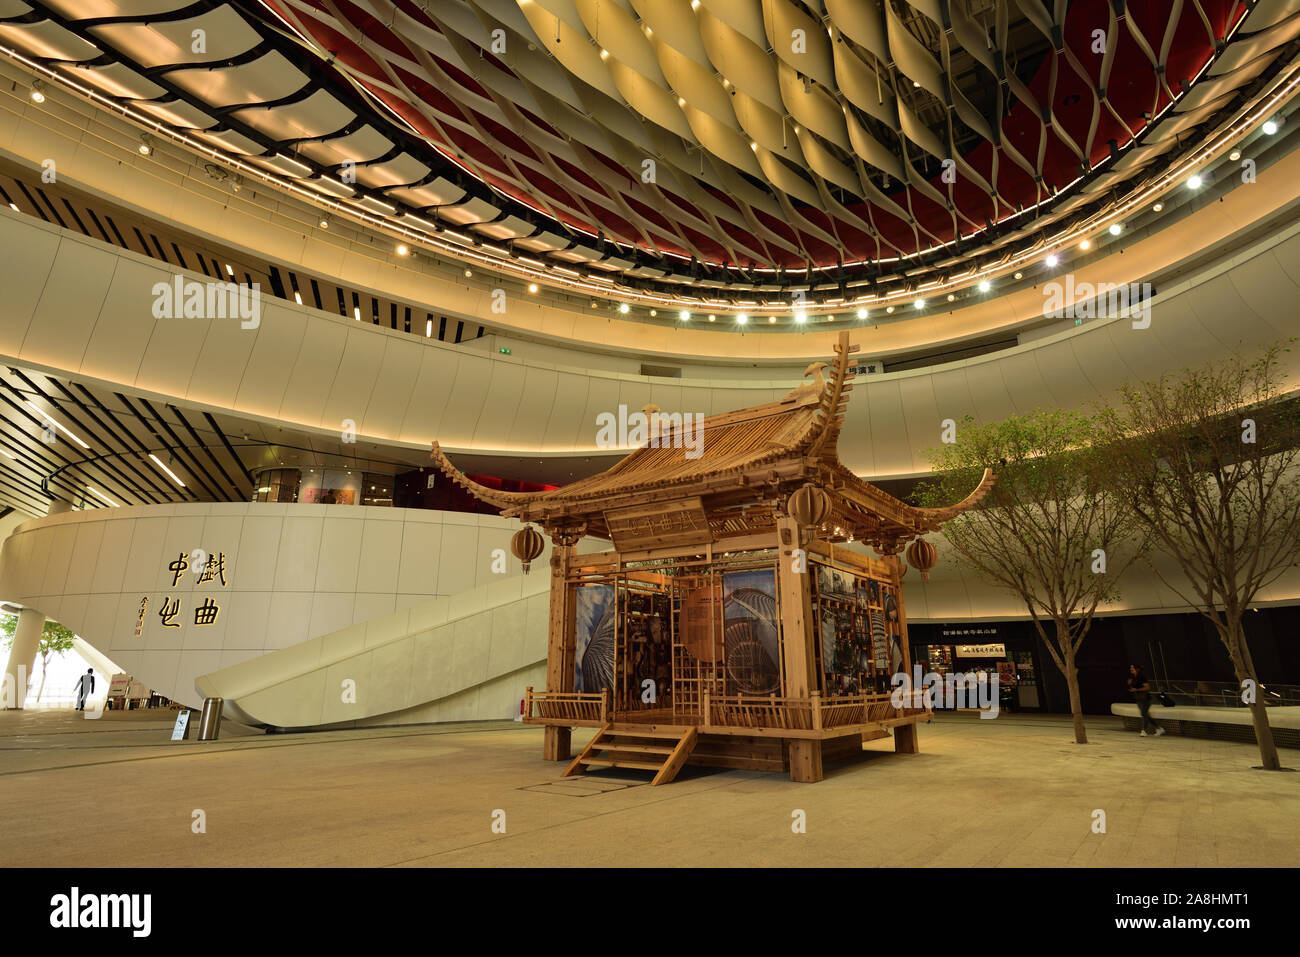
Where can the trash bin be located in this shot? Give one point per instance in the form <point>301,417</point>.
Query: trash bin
<point>210,719</point>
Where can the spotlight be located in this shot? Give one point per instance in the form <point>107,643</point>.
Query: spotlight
<point>469,273</point>
<point>890,310</point>
<point>919,304</point>
<point>1158,206</point>
<point>401,249</point>
<point>1194,182</point>
<point>593,304</point>
<point>1270,127</point>
<point>684,316</point>
<point>801,317</point>
<point>1086,244</point>
<point>1052,260</point>
<point>38,91</point>
<point>1020,275</point>
<point>741,318</point>
<point>653,313</point>
<point>14,207</point>
<point>1234,155</point>
<point>771,319</point>
<point>146,144</point>
<point>951,297</point>
<point>713,318</point>
<point>532,287</point>
<point>985,285</point>
<point>862,313</point>
<point>1116,229</point>
<point>624,308</point>
<point>324,221</point>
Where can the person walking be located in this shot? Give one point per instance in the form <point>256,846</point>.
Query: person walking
<point>85,686</point>
<point>1141,688</point>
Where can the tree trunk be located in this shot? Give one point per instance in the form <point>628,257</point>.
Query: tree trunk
<point>1244,665</point>
<point>45,667</point>
<point>1066,648</point>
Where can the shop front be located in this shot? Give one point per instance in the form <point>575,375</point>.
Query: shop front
<point>990,654</point>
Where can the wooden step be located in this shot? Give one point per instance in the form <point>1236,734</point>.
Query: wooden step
<point>648,731</point>
<point>640,748</point>
<point>623,763</point>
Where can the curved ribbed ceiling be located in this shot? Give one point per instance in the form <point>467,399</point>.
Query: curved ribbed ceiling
<point>738,146</point>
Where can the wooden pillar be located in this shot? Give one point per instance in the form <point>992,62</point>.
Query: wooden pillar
<point>556,741</point>
<point>905,739</point>
<point>798,658</point>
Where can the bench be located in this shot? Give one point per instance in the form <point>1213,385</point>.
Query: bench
<point>1228,724</point>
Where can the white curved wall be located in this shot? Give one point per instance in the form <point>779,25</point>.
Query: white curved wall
<point>78,307</point>
<point>294,572</point>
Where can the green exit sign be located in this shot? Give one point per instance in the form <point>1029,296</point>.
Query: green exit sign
<point>504,351</point>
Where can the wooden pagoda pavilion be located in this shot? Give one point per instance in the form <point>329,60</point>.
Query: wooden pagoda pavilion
<point>729,624</point>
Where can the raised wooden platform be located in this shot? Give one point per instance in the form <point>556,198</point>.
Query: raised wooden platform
<point>665,749</point>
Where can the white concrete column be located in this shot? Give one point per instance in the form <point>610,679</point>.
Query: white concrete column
<point>18,672</point>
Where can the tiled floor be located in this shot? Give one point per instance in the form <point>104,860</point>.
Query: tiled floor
<point>1011,792</point>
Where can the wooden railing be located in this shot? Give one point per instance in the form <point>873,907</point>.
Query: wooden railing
<point>566,705</point>
<point>813,713</point>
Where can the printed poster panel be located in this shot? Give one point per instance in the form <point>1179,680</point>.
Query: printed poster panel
<point>594,662</point>
<point>751,636</point>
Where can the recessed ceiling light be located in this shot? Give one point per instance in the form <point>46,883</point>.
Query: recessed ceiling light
<point>862,313</point>
<point>624,308</point>
<point>1158,206</point>
<point>38,91</point>
<point>94,491</point>
<point>1234,155</point>
<point>1116,229</point>
<point>985,285</point>
<point>1194,182</point>
<point>174,477</point>
<point>1270,127</point>
<point>684,316</point>
<point>532,287</point>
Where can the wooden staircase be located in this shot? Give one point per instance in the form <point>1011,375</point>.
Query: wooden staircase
<point>649,747</point>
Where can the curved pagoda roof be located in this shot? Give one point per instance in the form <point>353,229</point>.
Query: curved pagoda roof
<point>729,479</point>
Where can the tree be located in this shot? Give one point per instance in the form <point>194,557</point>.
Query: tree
<point>1208,456</point>
<point>1050,531</point>
<point>55,640</point>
